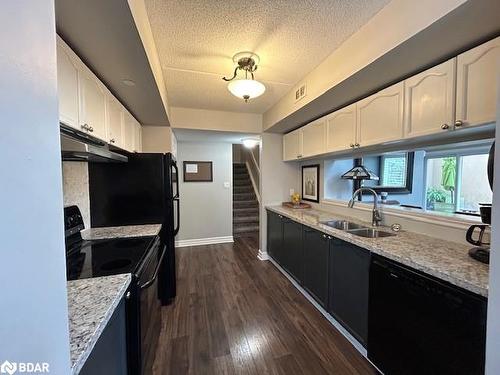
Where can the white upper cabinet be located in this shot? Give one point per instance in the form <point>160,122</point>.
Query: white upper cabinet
<point>341,129</point>
<point>137,137</point>
<point>477,77</point>
<point>114,112</point>
<point>92,106</point>
<point>430,100</point>
<point>67,85</point>
<point>380,116</point>
<point>314,138</point>
<point>128,129</point>
<point>292,145</point>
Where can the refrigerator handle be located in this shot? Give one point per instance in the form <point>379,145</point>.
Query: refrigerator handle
<point>177,179</point>
<point>176,230</point>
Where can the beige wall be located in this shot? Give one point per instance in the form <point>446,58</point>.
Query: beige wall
<point>395,23</point>
<point>204,119</point>
<point>159,139</point>
<point>276,179</point>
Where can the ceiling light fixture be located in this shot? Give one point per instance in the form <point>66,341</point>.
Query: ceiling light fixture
<point>247,88</point>
<point>250,142</point>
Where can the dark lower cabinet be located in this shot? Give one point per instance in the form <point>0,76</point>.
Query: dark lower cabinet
<point>274,235</point>
<point>348,287</point>
<point>292,248</point>
<point>316,253</point>
<point>109,356</point>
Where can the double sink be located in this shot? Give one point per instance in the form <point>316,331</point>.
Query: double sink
<point>357,229</point>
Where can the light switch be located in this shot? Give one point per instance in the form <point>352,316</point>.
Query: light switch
<point>227,185</point>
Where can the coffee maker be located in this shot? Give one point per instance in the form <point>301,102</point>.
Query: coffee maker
<point>481,251</point>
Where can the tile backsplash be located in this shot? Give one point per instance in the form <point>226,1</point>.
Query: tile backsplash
<point>76,187</point>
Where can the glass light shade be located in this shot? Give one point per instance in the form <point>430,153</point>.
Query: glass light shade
<point>246,88</point>
<point>250,142</point>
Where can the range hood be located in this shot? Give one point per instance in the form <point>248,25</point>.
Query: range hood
<point>79,146</point>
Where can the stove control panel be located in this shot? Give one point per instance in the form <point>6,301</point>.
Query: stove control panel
<point>73,220</point>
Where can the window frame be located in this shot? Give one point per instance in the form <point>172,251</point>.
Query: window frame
<point>466,151</point>
<point>407,189</point>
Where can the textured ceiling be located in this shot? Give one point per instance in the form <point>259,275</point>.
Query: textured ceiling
<point>196,40</point>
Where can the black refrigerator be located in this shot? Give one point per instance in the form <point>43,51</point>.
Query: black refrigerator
<point>144,190</point>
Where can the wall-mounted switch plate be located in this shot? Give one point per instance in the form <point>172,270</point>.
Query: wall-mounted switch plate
<point>227,185</point>
<point>292,191</point>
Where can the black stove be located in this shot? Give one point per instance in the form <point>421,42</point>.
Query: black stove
<point>140,256</point>
<point>86,259</point>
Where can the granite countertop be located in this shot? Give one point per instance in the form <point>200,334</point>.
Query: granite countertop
<point>91,303</point>
<point>445,260</point>
<point>121,232</point>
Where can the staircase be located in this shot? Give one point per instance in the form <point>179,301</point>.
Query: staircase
<point>245,204</point>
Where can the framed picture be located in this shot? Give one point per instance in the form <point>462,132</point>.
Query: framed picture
<point>310,183</point>
<point>197,171</point>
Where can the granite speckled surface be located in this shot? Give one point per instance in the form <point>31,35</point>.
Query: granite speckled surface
<point>91,303</point>
<point>121,232</point>
<point>445,260</point>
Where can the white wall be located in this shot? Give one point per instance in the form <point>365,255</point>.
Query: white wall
<point>206,207</point>
<point>493,329</point>
<point>276,180</point>
<point>33,313</point>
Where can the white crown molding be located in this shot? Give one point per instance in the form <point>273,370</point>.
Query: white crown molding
<point>204,241</point>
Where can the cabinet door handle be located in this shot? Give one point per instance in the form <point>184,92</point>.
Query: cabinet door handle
<point>91,129</point>
<point>85,127</point>
<point>445,126</point>
<point>351,145</point>
<point>458,123</point>
<point>357,144</point>
<point>112,140</point>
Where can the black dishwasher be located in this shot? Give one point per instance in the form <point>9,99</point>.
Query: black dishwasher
<point>420,325</point>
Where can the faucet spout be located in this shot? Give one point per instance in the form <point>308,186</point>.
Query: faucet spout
<point>376,215</point>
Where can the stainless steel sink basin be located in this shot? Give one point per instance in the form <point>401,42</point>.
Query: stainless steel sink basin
<point>371,233</point>
<point>344,225</point>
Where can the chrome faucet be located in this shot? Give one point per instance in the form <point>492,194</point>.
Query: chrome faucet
<point>376,215</point>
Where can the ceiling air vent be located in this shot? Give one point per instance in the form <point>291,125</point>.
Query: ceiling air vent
<point>300,92</point>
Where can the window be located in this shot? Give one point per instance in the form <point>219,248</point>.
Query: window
<point>395,172</point>
<point>457,181</point>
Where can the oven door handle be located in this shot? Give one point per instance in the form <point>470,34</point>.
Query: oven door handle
<point>150,282</point>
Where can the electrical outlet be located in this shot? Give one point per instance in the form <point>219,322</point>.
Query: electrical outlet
<point>292,191</point>
<point>300,92</point>
<point>227,185</point>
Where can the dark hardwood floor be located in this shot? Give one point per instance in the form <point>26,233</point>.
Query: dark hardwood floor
<point>235,314</point>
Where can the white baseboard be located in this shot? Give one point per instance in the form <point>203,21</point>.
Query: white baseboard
<point>203,241</point>
<point>262,255</point>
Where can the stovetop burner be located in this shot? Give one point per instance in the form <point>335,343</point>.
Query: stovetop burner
<point>105,257</point>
